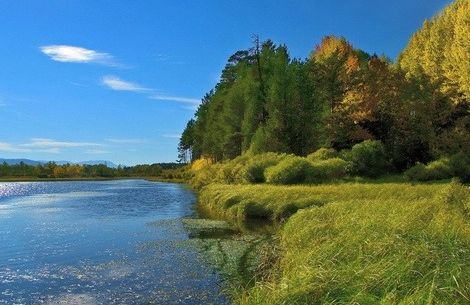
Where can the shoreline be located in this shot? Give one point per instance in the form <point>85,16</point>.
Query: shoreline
<point>35,179</point>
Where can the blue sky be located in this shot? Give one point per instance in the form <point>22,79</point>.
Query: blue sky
<point>118,80</point>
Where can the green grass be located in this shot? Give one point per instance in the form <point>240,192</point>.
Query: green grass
<point>357,243</point>
<point>241,202</point>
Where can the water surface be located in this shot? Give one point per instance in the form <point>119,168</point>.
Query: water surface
<point>101,242</point>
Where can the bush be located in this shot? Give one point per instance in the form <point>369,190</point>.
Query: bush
<point>201,163</point>
<point>205,176</point>
<point>328,169</point>
<point>445,168</point>
<point>416,173</point>
<point>291,170</point>
<point>323,154</point>
<point>254,170</point>
<point>368,159</point>
<point>231,171</point>
<point>460,166</point>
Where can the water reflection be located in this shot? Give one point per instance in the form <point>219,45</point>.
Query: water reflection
<point>107,242</point>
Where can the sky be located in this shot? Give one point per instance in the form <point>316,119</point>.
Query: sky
<point>117,80</point>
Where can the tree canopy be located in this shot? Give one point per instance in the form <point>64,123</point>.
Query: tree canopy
<point>339,96</point>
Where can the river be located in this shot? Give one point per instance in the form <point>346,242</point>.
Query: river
<point>100,242</point>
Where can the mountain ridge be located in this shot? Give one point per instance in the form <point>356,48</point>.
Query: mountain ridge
<point>61,162</point>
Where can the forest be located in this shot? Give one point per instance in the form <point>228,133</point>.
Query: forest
<point>418,107</point>
<point>358,164</point>
<point>52,170</point>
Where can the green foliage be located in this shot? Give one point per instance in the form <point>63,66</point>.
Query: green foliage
<point>52,170</point>
<point>292,170</point>
<point>445,168</point>
<point>460,165</point>
<point>330,169</point>
<point>368,159</point>
<point>323,154</point>
<point>340,96</point>
<point>254,170</point>
<point>436,170</point>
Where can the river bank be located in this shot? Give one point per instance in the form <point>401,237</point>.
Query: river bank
<point>36,179</point>
<point>387,243</point>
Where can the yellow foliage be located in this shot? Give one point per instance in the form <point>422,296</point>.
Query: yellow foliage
<point>201,163</point>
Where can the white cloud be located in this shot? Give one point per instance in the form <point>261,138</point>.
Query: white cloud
<point>178,99</point>
<point>42,145</point>
<point>64,53</point>
<point>51,144</point>
<point>7,147</point>
<point>115,83</point>
<point>125,141</point>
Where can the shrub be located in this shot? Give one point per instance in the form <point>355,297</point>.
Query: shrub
<point>328,169</point>
<point>323,154</point>
<point>460,166</point>
<point>368,159</point>
<point>291,170</point>
<point>201,163</point>
<point>254,170</point>
<point>439,169</point>
<point>444,168</point>
<point>416,173</point>
<point>205,176</point>
<point>230,171</point>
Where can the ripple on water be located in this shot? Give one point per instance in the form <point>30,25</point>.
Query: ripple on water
<point>118,242</point>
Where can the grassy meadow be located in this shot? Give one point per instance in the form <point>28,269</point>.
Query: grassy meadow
<point>356,243</point>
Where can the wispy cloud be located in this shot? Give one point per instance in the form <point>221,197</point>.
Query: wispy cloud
<point>125,141</point>
<point>178,99</point>
<point>43,145</point>
<point>116,83</point>
<point>7,147</point>
<point>65,53</point>
<point>50,143</point>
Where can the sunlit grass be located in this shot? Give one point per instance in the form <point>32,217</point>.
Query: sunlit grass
<point>358,243</point>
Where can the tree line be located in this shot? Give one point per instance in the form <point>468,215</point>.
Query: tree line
<point>339,96</point>
<point>53,170</point>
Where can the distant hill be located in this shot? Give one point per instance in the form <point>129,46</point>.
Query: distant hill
<point>34,162</point>
<point>98,162</point>
<point>18,161</point>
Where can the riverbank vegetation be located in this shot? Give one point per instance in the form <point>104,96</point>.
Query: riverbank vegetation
<point>360,163</point>
<point>390,243</point>
<point>51,171</point>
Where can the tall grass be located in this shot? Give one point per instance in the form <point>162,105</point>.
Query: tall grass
<point>392,243</point>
